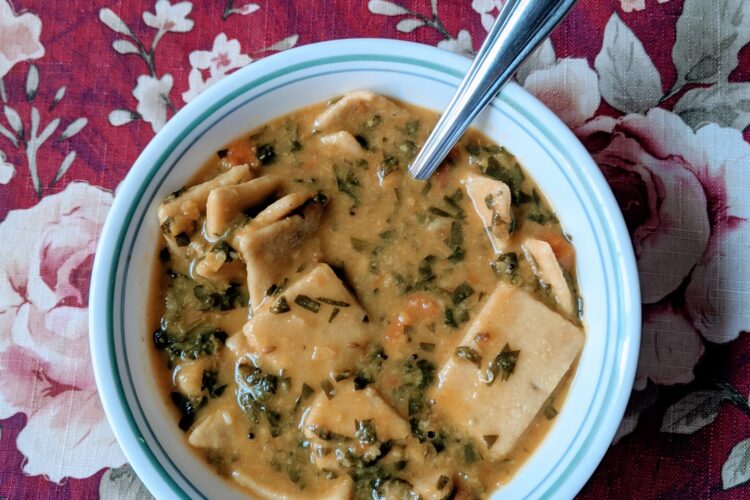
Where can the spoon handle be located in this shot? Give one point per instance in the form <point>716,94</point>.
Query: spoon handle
<point>519,28</point>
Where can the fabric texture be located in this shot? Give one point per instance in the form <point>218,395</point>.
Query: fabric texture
<point>657,90</point>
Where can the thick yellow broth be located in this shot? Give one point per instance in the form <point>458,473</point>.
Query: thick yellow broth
<point>383,232</point>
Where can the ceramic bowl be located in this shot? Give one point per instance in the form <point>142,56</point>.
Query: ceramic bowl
<point>418,74</point>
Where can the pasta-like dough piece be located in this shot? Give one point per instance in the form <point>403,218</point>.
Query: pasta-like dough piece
<point>212,431</point>
<point>491,200</point>
<point>225,203</point>
<point>497,414</point>
<point>340,413</point>
<point>280,209</point>
<point>178,215</point>
<point>353,109</point>
<point>309,346</point>
<point>548,271</point>
<point>189,377</point>
<point>337,416</point>
<point>272,252</point>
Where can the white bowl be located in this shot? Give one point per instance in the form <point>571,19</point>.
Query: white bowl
<point>418,74</point>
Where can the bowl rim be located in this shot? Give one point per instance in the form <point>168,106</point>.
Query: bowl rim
<point>105,276</point>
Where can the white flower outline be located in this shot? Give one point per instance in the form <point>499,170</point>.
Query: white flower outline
<point>169,18</point>
<point>224,57</point>
<point>151,94</point>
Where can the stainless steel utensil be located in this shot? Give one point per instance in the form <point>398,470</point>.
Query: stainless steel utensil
<point>520,27</point>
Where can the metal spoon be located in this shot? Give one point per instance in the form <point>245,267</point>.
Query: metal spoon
<point>519,28</point>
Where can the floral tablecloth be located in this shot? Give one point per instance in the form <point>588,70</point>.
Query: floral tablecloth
<point>658,91</point>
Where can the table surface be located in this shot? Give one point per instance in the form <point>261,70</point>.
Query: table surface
<point>657,90</point>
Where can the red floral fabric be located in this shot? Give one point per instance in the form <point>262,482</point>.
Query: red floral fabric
<point>657,90</point>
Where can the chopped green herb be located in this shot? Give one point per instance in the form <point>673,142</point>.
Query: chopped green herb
<point>266,154</point>
<point>548,410</point>
<point>200,341</point>
<point>408,148</point>
<point>414,406</point>
<point>373,122</point>
<point>541,214</point>
<point>370,368</point>
<point>490,439</point>
<point>281,306</point>
<point>388,166</point>
<point>365,431</point>
<point>426,188</point>
<point>188,407</point>
<point>440,212</point>
<point>542,218</point>
<point>274,421</point>
<point>348,183</point>
<point>470,454</point>
<point>505,265</point>
<point>166,226</point>
<point>234,296</point>
<point>449,318</point>
<point>427,346</point>
<point>209,383</point>
<point>328,389</point>
<point>256,384</point>
<point>388,235</point>
<point>307,303</point>
<point>463,315</point>
<point>461,293</point>
<point>285,383</point>
<point>332,302</point>
<point>503,365</point>
<point>411,127</point>
<point>468,354</point>
<point>333,315</point>
<point>511,175</point>
<point>306,392</point>
<point>473,149</point>
<point>454,201</point>
<point>489,201</point>
<point>457,255</point>
<point>182,240</point>
<point>360,245</point>
<point>296,146</point>
<point>442,482</point>
<point>455,241</point>
<point>426,274</point>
